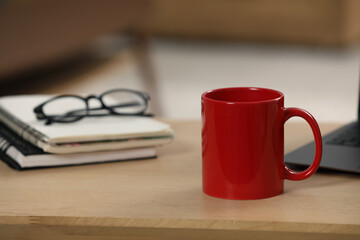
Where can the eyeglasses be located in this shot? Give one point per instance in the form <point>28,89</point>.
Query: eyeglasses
<point>72,108</point>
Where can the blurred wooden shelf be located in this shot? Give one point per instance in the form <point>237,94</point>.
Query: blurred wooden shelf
<point>314,22</point>
<point>41,33</point>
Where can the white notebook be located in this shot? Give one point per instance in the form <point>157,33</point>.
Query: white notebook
<point>88,134</point>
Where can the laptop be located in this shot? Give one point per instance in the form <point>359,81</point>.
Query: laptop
<point>341,149</point>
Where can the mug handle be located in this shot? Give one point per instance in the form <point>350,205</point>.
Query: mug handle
<point>298,112</point>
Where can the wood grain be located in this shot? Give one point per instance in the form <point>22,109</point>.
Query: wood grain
<point>162,198</point>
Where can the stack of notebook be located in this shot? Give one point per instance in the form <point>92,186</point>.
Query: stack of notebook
<point>25,142</point>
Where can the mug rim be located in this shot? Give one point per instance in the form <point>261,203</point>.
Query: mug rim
<point>280,95</point>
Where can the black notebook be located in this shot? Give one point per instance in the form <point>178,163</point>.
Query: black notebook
<point>19,154</point>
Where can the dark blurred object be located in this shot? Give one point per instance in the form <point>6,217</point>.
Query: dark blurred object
<point>314,22</point>
<point>34,33</point>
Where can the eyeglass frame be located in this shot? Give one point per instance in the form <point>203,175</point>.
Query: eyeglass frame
<point>39,112</point>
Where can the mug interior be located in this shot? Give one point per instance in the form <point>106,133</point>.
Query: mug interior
<point>242,95</point>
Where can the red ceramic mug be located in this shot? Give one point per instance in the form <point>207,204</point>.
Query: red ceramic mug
<point>243,143</point>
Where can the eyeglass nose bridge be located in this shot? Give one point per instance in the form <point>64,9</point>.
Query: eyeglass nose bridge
<point>92,96</point>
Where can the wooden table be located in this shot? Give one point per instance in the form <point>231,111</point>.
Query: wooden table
<point>162,199</point>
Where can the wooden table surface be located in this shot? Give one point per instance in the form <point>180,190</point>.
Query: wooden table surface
<point>162,199</point>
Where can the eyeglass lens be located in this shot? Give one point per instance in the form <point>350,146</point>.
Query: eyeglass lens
<point>67,108</point>
<point>124,102</point>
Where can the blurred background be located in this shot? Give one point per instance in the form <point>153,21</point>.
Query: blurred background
<point>175,50</point>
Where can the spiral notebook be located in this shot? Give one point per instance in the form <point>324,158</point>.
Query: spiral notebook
<point>19,154</point>
<point>87,135</point>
